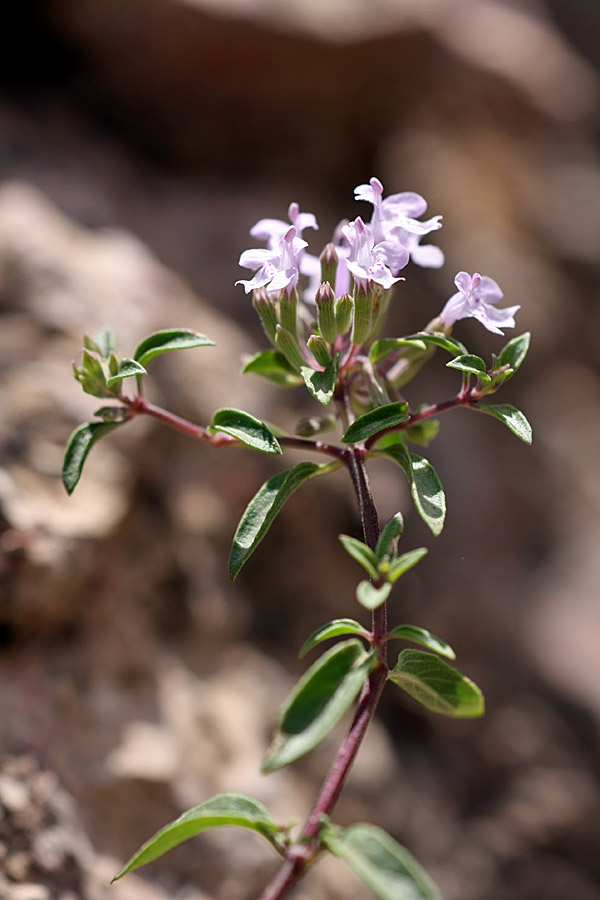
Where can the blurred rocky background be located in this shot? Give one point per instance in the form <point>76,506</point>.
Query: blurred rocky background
<point>139,141</point>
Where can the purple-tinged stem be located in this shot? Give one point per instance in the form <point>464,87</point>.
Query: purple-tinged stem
<point>467,398</point>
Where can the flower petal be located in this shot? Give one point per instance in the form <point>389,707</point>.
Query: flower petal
<point>428,256</point>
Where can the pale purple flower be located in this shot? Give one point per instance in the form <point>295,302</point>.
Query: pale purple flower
<point>476,297</point>
<point>370,260</point>
<point>394,220</point>
<point>277,268</point>
<point>272,230</point>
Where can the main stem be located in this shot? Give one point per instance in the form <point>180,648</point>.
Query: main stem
<point>303,853</point>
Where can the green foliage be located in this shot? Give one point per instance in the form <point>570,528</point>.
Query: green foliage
<point>274,366</point>
<point>425,486</point>
<point>388,539</point>
<point>245,428</point>
<point>424,638</point>
<point>126,368</point>
<point>513,354</point>
<point>370,596</point>
<point>383,865</point>
<point>264,507</point>
<point>440,340</point>
<point>102,343</point>
<point>330,630</point>
<point>363,555</point>
<point>402,564</point>
<point>382,348</point>
<point>313,425</point>
<point>79,445</point>
<point>224,809</point>
<point>322,384</point>
<point>169,339</point>
<point>472,365</point>
<point>512,417</point>
<point>374,421</point>
<point>318,702</point>
<point>436,685</point>
<point>422,433</point>
<point>92,374</point>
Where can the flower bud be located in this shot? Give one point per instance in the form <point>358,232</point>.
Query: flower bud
<point>288,344</point>
<point>318,348</point>
<point>343,313</point>
<point>288,303</point>
<point>265,308</point>
<point>329,264</point>
<point>325,301</point>
<point>363,303</point>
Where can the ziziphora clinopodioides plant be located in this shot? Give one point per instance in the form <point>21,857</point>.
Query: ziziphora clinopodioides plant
<point>326,337</point>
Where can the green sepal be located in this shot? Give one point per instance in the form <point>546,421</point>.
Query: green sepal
<point>264,507</point>
<point>363,555</point>
<point>425,486</point>
<point>79,445</point>
<point>322,384</point>
<point>127,368</point>
<point>422,433</point>
<point>380,862</point>
<point>436,685</point>
<point>245,428</point>
<point>385,346</point>
<point>169,339</point>
<point>372,597</point>
<point>512,417</point>
<point>423,637</point>
<point>440,340</point>
<point>318,702</point>
<point>514,353</point>
<point>473,365</point>
<point>273,365</point>
<point>224,809</point>
<point>330,630</point>
<point>376,420</point>
<point>388,538</point>
<point>402,564</point>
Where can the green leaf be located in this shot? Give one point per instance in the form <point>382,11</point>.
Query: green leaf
<point>245,428</point>
<point>436,685</point>
<point>422,433</point>
<point>127,368</point>
<point>330,630</point>
<point>389,535</point>
<point>318,702</point>
<point>264,507</point>
<point>425,486</point>
<point>515,352</point>
<point>322,384</point>
<point>105,342</point>
<point>474,365</point>
<point>441,340</point>
<point>512,417</point>
<point>169,339</point>
<point>113,413</point>
<point>363,555</point>
<point>372,597</point>
<point>424,638</point>
<point>273,365</point>
<point>383,865</point>
<point>405,562</point>
<point>376,420</point>
<point>79,445</point>
<point>385,346</point>
<point>224,809</point>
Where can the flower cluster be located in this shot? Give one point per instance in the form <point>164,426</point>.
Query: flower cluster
<point>369,256</point>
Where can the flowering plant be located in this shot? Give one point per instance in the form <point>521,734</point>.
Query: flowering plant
<point>325,337</point>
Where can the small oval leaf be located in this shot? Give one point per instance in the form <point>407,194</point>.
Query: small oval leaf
<point>372,597</point>
<point>472,365</point>
<point>376,420</point>
<point>425,486</point>
<point>363,555</point>
<point>273,365</point>
<point>264,507</point>
<point>224,809</point>
<point>385,346</point>
<point>441,340</point>
<point>245,428</point>
<point>169,339</point>
<point>512,417</point>
<point>514,352</point>
<point>405,562</point>
<point>389,535</point>
<point>318,702</point>
<point>424,638</point>
<point>127,368</point>
<point>330,630</point>
<point>79,445</point>
<point>321,384</point>
<point>436,685</point>
<point>382,864</point>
